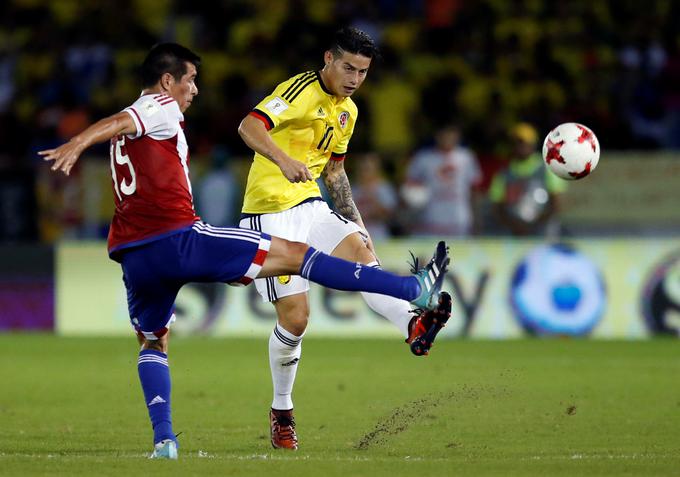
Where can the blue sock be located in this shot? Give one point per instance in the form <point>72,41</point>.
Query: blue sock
<point>154,375</point>
<point>340,274</point>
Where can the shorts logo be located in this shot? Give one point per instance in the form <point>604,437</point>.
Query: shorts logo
<point>276,106</point>
<point>342,119</point>
<point>284,279</point>
<point>357,271</point>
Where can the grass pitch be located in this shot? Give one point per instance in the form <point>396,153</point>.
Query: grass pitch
<point>554,407</point>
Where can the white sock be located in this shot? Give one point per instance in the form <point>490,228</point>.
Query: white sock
<point>396,310</point>
<point>284,354</point>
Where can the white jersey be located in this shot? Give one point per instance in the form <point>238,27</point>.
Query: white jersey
<point>449,176</point>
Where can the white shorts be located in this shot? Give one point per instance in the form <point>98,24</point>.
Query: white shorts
<point>313,223</point>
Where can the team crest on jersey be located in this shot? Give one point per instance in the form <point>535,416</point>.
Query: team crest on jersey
<point>276,106</point>
<point>284,279</point>
<point>342,119</point>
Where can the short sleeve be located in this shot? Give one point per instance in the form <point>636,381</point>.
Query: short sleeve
<point>280,106</point>
<point>387,196</point>
<point>153,116</point>
<point>340,149</point>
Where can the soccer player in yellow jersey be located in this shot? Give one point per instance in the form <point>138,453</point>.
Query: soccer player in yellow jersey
<point>301,132</point>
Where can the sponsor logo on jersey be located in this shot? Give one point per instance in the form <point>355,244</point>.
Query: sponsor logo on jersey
<point>342,119</point>
<point>321,113</point>
<point>149,108</point>
<point>276,106</point>
<point>284,279</point>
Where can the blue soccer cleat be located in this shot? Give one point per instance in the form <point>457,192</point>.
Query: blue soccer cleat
<point>431,276</point>
<point>165,449</point>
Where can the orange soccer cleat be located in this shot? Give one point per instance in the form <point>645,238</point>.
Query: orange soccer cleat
<point>424,327</point>
<point>282,425</point>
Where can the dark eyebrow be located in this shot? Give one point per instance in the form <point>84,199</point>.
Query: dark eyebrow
<point>347,63</point>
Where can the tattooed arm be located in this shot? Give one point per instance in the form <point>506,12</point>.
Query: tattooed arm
<point>337,183</point>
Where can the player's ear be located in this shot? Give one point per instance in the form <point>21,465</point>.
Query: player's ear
<point>328,57</point>
<point>167,80</point>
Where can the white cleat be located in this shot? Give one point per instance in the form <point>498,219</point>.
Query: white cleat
<point>165,449</point>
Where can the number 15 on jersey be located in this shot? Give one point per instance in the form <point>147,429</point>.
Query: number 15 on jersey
<point>120,158</point>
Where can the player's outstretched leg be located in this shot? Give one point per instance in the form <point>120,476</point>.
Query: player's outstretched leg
<point>424,327</point>
<point>340,274</point>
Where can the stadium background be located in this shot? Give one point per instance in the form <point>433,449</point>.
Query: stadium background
<point>614,66</point>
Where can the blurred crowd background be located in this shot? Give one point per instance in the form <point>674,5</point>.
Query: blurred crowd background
<point>463,89</point>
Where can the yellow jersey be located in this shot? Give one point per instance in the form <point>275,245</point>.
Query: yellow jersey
<point>309,124</point>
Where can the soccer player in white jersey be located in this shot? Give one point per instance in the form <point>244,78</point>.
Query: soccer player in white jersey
<point>162,244</point>
<point>301,132</point>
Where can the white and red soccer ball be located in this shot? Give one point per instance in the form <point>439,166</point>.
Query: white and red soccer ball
<point>571,151</point>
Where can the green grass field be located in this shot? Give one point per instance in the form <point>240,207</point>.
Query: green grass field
<point>555,407</point>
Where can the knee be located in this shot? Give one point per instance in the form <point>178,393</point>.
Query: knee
<point>363,255</point>
<point>296,327</point>
<point>160,345</point>
<point>294,319</point>
<point>296,252</point>
<point>296,324</point>
<point>285,257</point>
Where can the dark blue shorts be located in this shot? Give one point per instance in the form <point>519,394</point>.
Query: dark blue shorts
<point>154,272</point>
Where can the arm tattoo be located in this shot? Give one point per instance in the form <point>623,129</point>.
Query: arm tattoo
<point>337,183</point>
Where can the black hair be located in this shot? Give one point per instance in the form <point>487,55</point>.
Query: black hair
<point>167,58</point>
<point>352,40</point>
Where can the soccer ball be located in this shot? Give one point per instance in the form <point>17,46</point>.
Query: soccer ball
<point>571,151</point>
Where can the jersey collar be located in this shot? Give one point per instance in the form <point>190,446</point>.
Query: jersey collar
<point>323,86</point>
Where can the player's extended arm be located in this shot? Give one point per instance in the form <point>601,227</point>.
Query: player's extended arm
<point>256,136</point>
<point>66,155</point>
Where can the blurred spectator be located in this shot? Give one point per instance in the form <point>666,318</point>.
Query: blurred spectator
<point>17,206</point>
<point>643,59</point>
<point>7,78</point>
<point>613,66</point>
<point>217,192</point>
<point>525,194</point>
<point>440,186</point>
<point>374,196</point>
<point>90,61</point>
